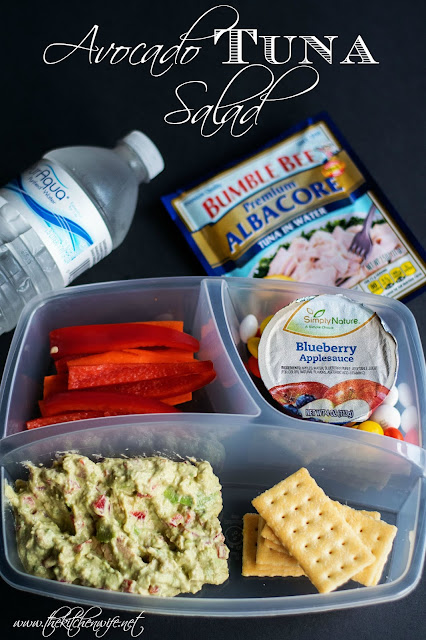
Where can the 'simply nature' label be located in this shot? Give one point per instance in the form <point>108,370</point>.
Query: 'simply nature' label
<point>328,358</point>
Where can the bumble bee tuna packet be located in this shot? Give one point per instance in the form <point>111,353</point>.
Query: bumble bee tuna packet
<point>328,358</point>
<point>302,208</point>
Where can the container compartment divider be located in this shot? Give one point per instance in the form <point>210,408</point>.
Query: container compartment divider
<point>250,443</point>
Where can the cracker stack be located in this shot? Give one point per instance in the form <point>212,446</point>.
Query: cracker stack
<point>300,531</point>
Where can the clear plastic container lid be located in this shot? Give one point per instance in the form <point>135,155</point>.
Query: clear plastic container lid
<point>250,443</point>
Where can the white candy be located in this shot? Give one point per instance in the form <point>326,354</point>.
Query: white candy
<point>386,416</point>
<point>405,394</point>
<point>392,397</point>
<point>409,419</point>
<point>248,327</point>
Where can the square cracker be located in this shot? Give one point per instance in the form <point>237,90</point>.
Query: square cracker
<point>314,531</point>
<point>348,510</point>
<point>378,536</point>
<point>268,534</point>
<point>250,534</point>
<point>276,547</point>
<point>280,559</point>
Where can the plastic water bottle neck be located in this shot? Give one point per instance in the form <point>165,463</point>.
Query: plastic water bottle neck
<point>133,160</point>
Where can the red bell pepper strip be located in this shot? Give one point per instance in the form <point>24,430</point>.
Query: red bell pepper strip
<point>86,415</point>
<point>184,397</point>
<point>97,338</point>
<point>134,355</point>
<point>129,356</point>
<point>170,324</point>
<point>166,355</point>
<point>65,417</point>
<point>62,364</point>
<point>53,384</point>
<point>162,388</point>
<point>97,375</point>
<point>104,401</point>
<point>126,356</point>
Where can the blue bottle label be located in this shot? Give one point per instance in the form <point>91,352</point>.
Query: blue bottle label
<point>61,213</point>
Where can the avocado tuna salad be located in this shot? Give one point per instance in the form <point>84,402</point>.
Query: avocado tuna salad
<point>139,525</point>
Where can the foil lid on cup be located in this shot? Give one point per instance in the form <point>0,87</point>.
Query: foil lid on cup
<point>328,358</point>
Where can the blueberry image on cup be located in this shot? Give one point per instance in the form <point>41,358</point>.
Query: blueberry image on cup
<point>293,396</point>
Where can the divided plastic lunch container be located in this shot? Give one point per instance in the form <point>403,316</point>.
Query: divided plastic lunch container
<point>250,444</point>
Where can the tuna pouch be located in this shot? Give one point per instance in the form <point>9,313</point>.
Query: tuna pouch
<point>301,208</point>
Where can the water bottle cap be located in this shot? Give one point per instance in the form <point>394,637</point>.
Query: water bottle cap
<point>147,152</point>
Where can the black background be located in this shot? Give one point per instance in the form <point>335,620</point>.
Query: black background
<point>380,109</point>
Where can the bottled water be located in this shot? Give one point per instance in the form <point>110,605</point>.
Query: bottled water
<point>66,213</point>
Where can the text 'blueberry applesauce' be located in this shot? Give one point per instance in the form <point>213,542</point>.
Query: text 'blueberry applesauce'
<point>328,358</point>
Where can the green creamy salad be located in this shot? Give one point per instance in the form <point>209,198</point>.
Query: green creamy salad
<point>140,525</point>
